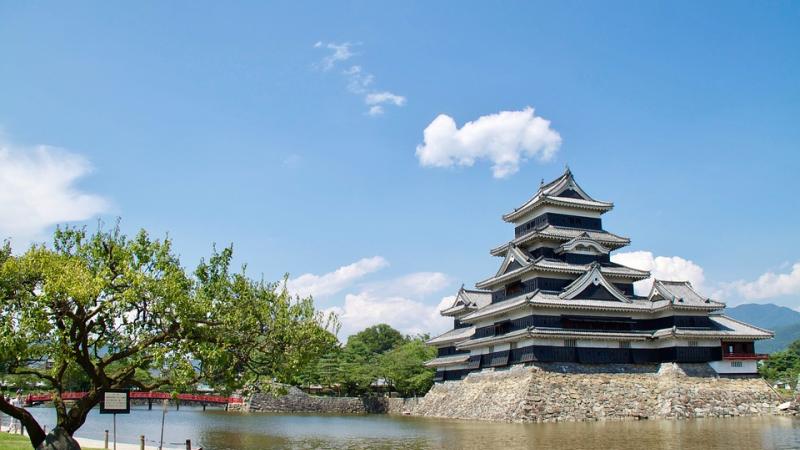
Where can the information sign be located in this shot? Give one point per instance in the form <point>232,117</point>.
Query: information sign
<point>116,401</point>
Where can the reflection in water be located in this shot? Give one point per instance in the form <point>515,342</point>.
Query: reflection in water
<point>218,430</point>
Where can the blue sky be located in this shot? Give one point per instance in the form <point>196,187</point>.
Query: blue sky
<point>226,123</point>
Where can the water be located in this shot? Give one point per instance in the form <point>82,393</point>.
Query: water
<point>219,430</point>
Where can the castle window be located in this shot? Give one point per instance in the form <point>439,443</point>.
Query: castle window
<point>692,343</point>
<point>570,343</point>
<point>502,327</point>
<point>736,364</point>
<point>514,288</point>
<point>625,344</point>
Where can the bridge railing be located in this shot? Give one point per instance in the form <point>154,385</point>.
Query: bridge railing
<point>139,395</point>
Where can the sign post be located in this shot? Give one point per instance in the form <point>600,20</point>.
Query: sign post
<point>116,401</point>
<point>163,415</point>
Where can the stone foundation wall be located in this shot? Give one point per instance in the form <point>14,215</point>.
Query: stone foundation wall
<point>569,392</point>
<point>295,401</point>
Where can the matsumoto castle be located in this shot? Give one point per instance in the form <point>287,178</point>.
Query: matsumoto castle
<point>557,297</point>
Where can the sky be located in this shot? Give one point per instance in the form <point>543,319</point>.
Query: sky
<point>369,149</point>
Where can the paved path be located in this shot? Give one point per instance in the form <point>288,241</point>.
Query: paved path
<point>120,446</point>
<point>93,443</point>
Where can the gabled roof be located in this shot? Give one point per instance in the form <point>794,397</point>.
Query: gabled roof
<point>564,234</point>
<point>563,191</point>
<point>547,265</point>
<point>467,300</point>
<point>592,277</point>
<point>514,255</point>
<point>679,292</point>
<point>583,242</point>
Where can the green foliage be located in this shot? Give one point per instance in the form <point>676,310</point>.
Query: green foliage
<point>378,352</point>
<point>376,339</point>
<point>783,365</point>
<point>105,311</point>
<point>403,366</point>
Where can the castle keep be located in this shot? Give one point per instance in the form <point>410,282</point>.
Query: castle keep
<point>558,298</point>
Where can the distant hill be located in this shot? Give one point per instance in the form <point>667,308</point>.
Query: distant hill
<point>785,322</point>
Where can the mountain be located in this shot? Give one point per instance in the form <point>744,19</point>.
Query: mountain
<point>785,322</point>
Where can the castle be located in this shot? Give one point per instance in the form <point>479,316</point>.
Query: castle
<point>558,297</point>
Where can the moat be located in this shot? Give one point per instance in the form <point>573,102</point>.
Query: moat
<point>219,430</point>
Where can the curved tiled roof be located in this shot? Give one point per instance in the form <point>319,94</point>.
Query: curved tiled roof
<point>555,265</point>
<point>550,194</point>
<point>454,335</point>
<point>565,234</point>
<point>447,360</point>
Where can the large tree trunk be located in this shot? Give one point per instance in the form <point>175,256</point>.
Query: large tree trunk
<point>59,439</point>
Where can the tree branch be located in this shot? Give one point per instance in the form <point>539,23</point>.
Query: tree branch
<point>35,431</point>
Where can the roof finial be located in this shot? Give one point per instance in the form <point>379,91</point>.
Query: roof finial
<point>566,168</point>
<point>541,183</point>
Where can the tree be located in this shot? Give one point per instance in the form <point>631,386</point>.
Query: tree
<point>376,339</point>
<point>404,366</point>
<point>126,314</point>
<point>783,365</point>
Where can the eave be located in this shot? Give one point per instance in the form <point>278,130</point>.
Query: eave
<point>548,266</point>
<point>543,200</point>
<point>444,361</point>
<point>551,232</point>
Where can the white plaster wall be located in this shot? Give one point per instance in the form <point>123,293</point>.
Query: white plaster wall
<point>724,367</point>
<point>502,347</point>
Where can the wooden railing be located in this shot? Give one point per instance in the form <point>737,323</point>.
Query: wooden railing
<point>200,398</point>
<point>735,355</point>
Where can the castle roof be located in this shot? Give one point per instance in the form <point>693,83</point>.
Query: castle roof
<point>678,291</point>
<point>524,264</point>
<point>467,300</point>
<point>563,191</point>
<point>563,234</point>
<point>454,335</point>
<point>443,361</point>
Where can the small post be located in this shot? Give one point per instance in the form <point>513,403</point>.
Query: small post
<point>141,442</point>
<point>188,444</point>
<point>105,441</point>
<point>177,404</point>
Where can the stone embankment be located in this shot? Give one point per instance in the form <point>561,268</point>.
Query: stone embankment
<point>293,400</point>
<point>571,392</point>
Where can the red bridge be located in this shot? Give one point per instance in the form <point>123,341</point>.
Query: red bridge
<point>139,395</point>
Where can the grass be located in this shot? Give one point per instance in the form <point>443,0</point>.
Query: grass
<point>17,442</point>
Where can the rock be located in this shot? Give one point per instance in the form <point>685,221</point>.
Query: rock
<point>58,439</point>
<point>784,406</point>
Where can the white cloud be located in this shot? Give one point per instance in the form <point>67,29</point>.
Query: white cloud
<point>413,284</point>
<point>359,81</point>
<point>505,139</point>
<point>672,268</point>
<point>336,281</point>
<point>37,191</point>
<point>768,285</point>
<point>338,52</point>
<point>377,99</point>
<point>399,302</point>
<point>410,316</point>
